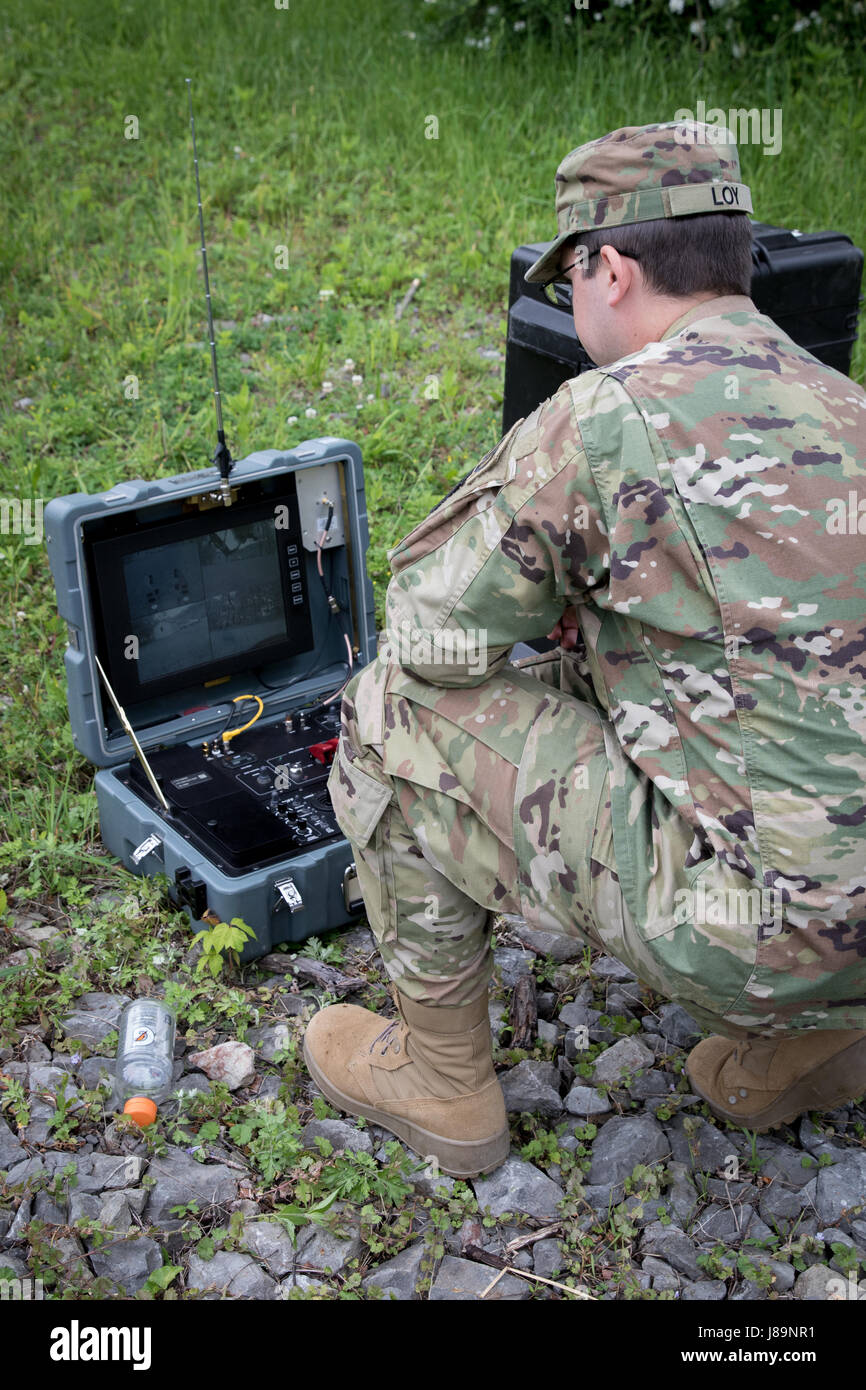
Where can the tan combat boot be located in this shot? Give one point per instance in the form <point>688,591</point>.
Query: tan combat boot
<point>770,1081</point>
<point>427,1076</point>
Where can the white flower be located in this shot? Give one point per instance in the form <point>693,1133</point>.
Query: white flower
<point>801,24</point>
<point>348,365</point>
<point>357,379</point>
<point>326,387</point>
<point>325,294</point>
<point>676,6</point>
<point>370,396</point>
<point>519,25</point>
<point>292,420</point>
<point>20,615</point>
<point>310,413</point>
<point>696,26</point>
<point>493,9</point>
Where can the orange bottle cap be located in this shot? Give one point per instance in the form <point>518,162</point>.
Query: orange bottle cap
<point>141,1109</point>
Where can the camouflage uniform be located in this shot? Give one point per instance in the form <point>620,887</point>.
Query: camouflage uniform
<point>685,789</point>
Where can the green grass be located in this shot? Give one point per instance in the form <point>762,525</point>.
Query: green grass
<point>311,125</point>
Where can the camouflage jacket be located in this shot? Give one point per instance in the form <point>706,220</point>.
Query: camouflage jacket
<point>699,502</point>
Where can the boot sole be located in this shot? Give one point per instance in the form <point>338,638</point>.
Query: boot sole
<point>459,1158</point>
<point>823,1089</point>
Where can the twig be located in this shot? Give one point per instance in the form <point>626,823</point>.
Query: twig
<point>406,300</point>
<point>530,1237</point>
<point>523,1274</point>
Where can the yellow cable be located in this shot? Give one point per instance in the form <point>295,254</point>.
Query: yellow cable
<point>233,733</point>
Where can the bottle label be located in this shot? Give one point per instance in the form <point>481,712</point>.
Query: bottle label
<point>142,1037</point>
<point>148,1024</point>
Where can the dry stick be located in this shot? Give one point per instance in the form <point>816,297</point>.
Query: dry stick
<point>530,1237</point>
<point>522,1274</point>
<point>406,300</point>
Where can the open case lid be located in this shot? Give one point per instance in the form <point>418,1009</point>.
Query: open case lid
<point>188,603</point>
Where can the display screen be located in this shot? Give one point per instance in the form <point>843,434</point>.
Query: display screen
<point>204,600</point>
<point>193,597</point>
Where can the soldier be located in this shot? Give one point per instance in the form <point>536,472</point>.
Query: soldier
<point>679,783</point>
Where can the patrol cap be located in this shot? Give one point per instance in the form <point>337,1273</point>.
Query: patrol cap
<point>641,174</point>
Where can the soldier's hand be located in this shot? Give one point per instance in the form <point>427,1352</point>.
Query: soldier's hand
<point>566,630</point>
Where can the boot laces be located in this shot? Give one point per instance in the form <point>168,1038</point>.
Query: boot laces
<point>387,1035</point>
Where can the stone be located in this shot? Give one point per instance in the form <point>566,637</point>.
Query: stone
<point>548,1032</point>
<point>517,1186</point>
<point>271,1243</point>
<point>114,1212</point>
<point>429,1181</point>
<point>320,1250</point>
<point>399,1275</point>
<point>577,1040</point>
<point>625,1057</point>
<point>664,1279</point>
<point>304,1284</point>
<point>46,1209</point>
<point>231,1274</point>
<point>783,1274</point>
<point>678,1026</point>
<point>180,1180</point>
<point>128,1263</point>
<point>779,1204</point>
<point>563,949</point>
<point>269,1040</point>
<point>584,1100</point>
<point>651,1083</point>
<point>611,969</point>
<point>12,1151</point>
<point>96,1172</point>
<point>96,1073</point>
<point>621,1001</point>
<point>458,1279</point>
<point>511,964</point>
<point>622,1143</point>
<point>233,1063</point>
<point>817,1284</point>
<point>532,1088</point>
<point>192,1083</point>
<point>497,1013</point>
<point>84,1206</point>
<point>783,1163</point>
<point>704,1290</point>
<point>674,1246</point>
<point>704,1148</point>
<point>547,1258</point>
<point>724,1224</point>
<point>681,1195</point>
<point>340,1134</point>
<point>840,1191</point>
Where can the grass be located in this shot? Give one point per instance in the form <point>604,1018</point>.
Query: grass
<point>317,175</point>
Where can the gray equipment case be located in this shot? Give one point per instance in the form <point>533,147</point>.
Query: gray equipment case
<point>102,545</point>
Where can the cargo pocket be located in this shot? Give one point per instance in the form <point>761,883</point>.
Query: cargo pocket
<point>359,803</point>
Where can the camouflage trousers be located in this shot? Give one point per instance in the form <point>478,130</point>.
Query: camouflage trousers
<point>464,802</point>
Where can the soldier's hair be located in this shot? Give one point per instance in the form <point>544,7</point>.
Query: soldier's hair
<point>682,256</point>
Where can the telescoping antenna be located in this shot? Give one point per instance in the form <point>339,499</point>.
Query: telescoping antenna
<point>221,456</point>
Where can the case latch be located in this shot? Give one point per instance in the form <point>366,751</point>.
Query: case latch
<point>352,895</point>
<point>289,894</point>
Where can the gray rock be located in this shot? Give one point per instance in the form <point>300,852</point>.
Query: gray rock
<point>622,1143</point>
<point>548,1032</point>
<point>271,1243</point>
<point>621,1001</point>
<point>46,1209</point>
<point>97,1172</point>
<point>511,964</point>
<point>706,1149</point>
<point>816,1285</point>
<point>563,949</point>
<point>813,1139</point>
<point>782,1162</point>
<point>518,1186</point>
<point>96,1016</point>
<point>779,1204</point>
<point>12,1151</point>
<point>722,1223</point>
<point>83,1206</point>
<point>547,1258</point>
<point>194,1083</point>
<point>496,1012</point>
<point>672,1245</point>
<point>339,1133</point>
<point>320,1250</point>
<point>577,1040</point>
<point>230,1274</point>
<point>840,1191</point>
<point>650,1083</point>
<point>464,1279</point>
<point>114,1212</point>
<point>429,1181</point>
<point>128,1263</point>
<point>270,1039</point>
<point>704,1290</point>
<point>584,1100</point>
<point>532,1088</point>
<point>303,1283</point>
<point>17,1268</point>
<point>783,1274</point>
<point>625,1057</point>
<point>399,1275</point>
<point>180,1180</point>
<point>96,1073</point>
<point>681,1195</point>
<point>22,1217</point>
<point>664,1279</point>
<point>678,1026</point>
<point>611,969</point>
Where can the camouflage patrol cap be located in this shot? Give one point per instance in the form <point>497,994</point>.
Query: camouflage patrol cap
<point>641,174</point>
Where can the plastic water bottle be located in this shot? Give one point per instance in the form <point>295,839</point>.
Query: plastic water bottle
<point>145,1058</point>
